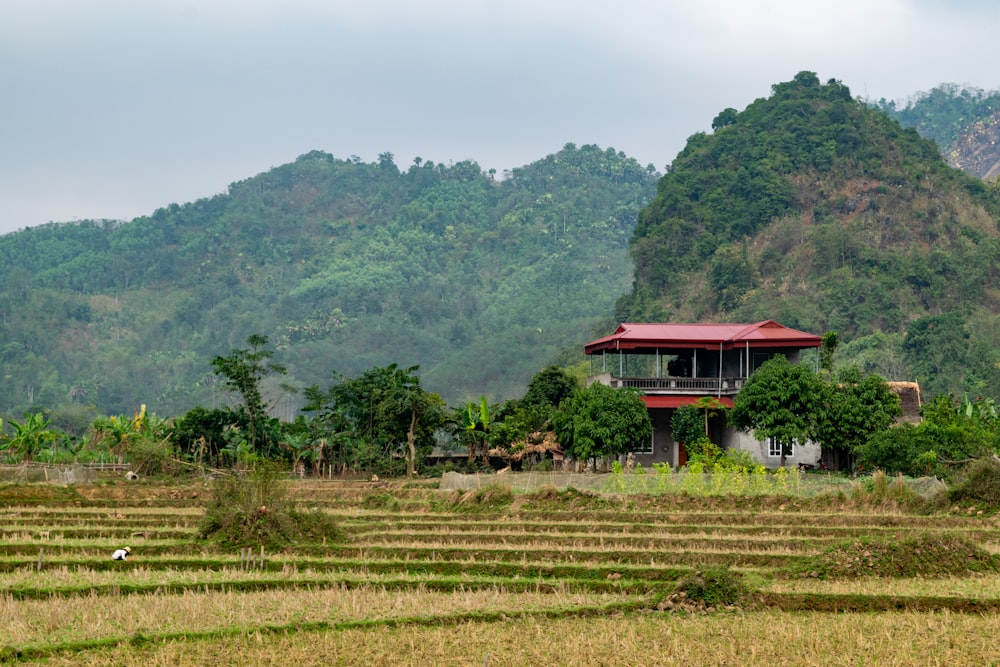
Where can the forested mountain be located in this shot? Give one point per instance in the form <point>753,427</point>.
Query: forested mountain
<point>343,265</point>
<point>965,123</point>
<point>812,208</point>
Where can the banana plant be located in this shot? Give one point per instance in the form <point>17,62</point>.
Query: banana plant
<point>30,436</point>
<point>475,423</point>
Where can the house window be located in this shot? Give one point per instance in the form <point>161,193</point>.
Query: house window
<point>643,447</point>
<point>774,448</point>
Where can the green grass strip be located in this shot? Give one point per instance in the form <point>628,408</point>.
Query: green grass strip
<point>443,585</point>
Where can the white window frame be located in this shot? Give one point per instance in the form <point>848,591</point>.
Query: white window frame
<point>774,448</point>
<point>649,449</point>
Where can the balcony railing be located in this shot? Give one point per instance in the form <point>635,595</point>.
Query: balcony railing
<point>677,385</point>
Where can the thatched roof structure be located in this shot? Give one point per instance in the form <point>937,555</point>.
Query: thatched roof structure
<point>539,443</point>
<point>909,400</point>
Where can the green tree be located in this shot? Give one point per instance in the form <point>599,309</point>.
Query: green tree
<point>687,424</point>
<point>945,439</point>
<point>384,408</point>
<point>549,387</point>
<point>474,424</point>
<point>244,370</point>
<point>601,422</point>
<point>779,400</point>
<point>854,410</point>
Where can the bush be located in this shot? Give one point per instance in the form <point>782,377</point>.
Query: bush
<point>978,483</point>
<point>878,492</point>
<point>152,457</point>
<point>251,510</point>
<point>714,587</point>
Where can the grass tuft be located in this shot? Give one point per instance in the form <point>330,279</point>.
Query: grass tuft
<point>979,483</point>
<point>713,587</point>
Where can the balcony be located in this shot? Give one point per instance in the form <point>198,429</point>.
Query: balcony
<point>727,386</point>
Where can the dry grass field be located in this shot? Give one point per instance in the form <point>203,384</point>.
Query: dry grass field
<point>425,577</point>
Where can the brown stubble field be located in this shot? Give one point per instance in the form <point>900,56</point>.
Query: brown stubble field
<point>425,577</point>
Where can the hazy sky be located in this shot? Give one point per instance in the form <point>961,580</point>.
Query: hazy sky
<point>113,108</point>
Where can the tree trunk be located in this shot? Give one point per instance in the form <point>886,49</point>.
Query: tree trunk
<point>411,445</point>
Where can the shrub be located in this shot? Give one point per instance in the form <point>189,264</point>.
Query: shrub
<point>878,492</point>
<point>714,587</point>
<point>978,483</point>
<point>251,510</point>
<point>152,457</point>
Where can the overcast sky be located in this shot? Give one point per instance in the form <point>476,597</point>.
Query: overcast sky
<point>113,108</point>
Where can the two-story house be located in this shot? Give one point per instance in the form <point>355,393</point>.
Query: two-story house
<point>678,364</point>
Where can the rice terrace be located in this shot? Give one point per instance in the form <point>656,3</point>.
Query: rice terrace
<point>796,569</point>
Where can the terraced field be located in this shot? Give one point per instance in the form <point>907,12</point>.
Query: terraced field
<point>427,577</point>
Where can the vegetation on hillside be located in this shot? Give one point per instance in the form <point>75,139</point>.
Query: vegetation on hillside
<point>342,265</point>
<point>814,209</point>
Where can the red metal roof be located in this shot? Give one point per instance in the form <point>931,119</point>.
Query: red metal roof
<point>767,333</point>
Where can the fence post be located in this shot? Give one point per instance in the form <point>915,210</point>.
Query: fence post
<point>261,567</point>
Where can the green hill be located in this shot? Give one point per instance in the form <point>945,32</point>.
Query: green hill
<point>344,265</point>
<point>812,208</point>
<point>963,121</point>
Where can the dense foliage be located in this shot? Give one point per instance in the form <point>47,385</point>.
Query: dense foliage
<point>375,420</point>
<point>601,423</point>
<point>814,209</point>
<point>950,435</point>
<point>792,403</point>
<point>342,265</point>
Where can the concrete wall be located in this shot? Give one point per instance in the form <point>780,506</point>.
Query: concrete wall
<point>807,454</point>
<point>664,447</point>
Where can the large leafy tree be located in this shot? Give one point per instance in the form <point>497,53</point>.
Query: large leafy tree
<point>855,408</point>
<point>779,400</point>
<point>601,422</point>
<point>549,387</point>
<point>243,372</point>
<point>384,409</point>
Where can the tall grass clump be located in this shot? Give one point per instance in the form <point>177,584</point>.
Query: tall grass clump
<point>978,483</point>
<point>253,510</point>
<point>877,492</point>
<point>490,498</point>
